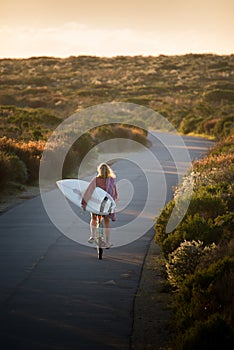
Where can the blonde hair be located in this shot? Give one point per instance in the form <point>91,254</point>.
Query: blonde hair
<point>104,171</point>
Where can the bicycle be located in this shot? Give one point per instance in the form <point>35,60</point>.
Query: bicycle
<point>99,237</point>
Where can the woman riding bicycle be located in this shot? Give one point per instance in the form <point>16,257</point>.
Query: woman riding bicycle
<point>105,179</point>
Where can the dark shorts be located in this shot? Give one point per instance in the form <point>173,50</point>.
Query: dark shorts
<point>111,216</point>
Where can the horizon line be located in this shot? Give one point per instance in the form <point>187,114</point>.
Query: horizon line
<point>115,55</point>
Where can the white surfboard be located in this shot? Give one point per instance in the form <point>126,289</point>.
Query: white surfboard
<point>100,202</point>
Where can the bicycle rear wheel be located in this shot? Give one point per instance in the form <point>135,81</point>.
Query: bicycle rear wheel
<point>100,251</point>
<point>99,238</point>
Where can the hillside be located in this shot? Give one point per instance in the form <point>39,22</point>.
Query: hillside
<point>195,92</point>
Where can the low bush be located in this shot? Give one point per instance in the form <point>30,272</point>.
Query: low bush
<point>27,152</point>
<point>217,95</point>
<point>189,124</point>
<point>212,334</point>
<point>12,169</point>
<point>224,127</point>
<point>215,166</point>
<point>226,224</point>
<point>207,204</point>
<point>193,227</point>
<point>215,253</point>
<point>4,167</point>
<point>209,125</point>
<point>183,261</point>
<point>224,146</point>
<point>161,222</point>
<point>204,293</point>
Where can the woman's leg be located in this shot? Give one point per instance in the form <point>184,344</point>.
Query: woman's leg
<point>107,229</point>
<point>93,225</point>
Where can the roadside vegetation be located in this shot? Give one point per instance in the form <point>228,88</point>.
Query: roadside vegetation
<point>199,254</point>
<point>20,158</point>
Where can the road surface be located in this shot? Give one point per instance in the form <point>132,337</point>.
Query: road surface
<point>54,293</point>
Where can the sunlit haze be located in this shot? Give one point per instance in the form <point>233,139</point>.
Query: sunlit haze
<point>109,28</point>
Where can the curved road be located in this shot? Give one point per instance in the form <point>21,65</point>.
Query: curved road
<point>54,293</point>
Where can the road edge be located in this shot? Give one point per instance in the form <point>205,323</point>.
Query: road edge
<point>152,311</point>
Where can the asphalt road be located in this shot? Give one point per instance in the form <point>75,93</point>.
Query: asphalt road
<point>54,292</point>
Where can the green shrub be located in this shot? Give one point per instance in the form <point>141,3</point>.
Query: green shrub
<point>224,146</point>
<point>5,171</point>
<point>193,227</point>
<point>224,127</point>
<point>206,203</point>
<point>226,224</point>
<point>218,168</point>
<point>217,95</point>
<point>37,135</point>
<point>28,152</point>
<point>4,168</point>
<point>161,222</point>
<point>18,169</point>
<point>189,124</point>
<point>217,252</point>
<point>12,169</point>
<point>208,126</point>
<point>206,292</point>
<point>183,261</point>
<point>212,334</point>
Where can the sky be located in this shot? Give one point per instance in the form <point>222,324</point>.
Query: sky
<point>115,27</point>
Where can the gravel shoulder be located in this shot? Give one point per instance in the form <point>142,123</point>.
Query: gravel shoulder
<point>9,201</point>
<point>151,326</point>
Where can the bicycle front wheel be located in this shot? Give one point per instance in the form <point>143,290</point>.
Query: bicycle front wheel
<point>100,251</point>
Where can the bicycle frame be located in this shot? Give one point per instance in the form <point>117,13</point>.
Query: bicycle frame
<point>99,238</point>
